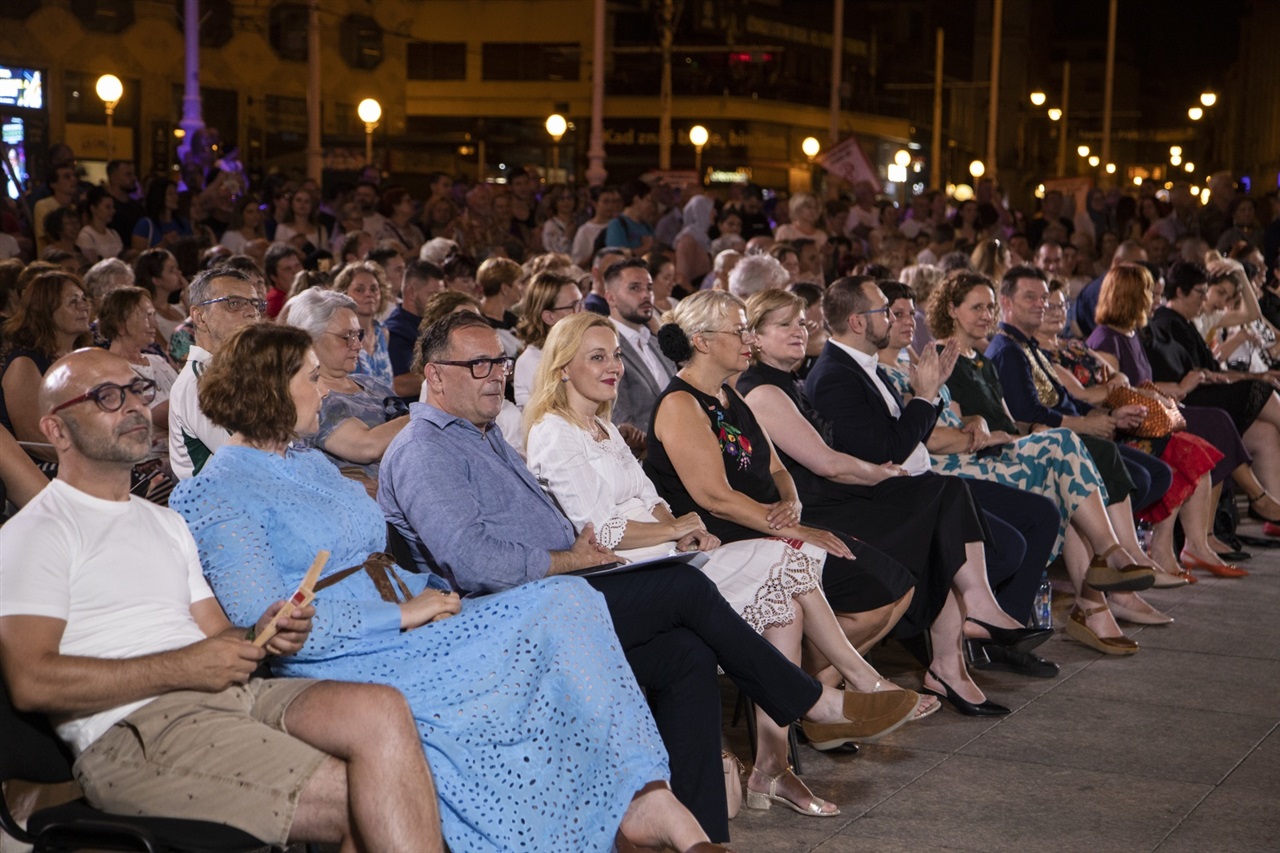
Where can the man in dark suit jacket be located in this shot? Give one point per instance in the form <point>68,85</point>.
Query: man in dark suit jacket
<point>869,420</point>
<point>629,289</point>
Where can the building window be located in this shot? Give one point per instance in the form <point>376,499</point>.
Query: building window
<point>287,31</point>
<point>525,61</point>
<point>104,16</point>
<point>361,42</point>
<point>436,60</point>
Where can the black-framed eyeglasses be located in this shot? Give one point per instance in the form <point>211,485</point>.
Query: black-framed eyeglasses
<point>482,367</point>
<point>237,304</point>
<point>349,338</point>
<point>110,397</point>
<point>744,333</point>
<point>575,307</point>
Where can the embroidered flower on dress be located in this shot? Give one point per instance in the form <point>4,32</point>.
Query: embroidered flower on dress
<point>732,441</point>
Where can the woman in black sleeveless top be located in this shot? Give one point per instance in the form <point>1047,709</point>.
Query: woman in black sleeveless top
<point>702,429</point>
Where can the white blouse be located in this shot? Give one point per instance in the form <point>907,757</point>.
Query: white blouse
<point>599,482</point>
<point>526,370</point>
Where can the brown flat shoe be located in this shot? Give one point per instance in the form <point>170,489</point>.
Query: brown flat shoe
<point>867,716</point>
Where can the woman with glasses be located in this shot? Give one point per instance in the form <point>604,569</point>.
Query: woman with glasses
<point>536,733</point>
<point>582,461</point>
<point>359,415</point>
<point>549,298</point>
<point>366,283</point>
<point>930,524</point>
<point>51,320</point>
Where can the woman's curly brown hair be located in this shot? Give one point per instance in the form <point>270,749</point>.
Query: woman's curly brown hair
<point>949,293</point>
<point>246,388</point>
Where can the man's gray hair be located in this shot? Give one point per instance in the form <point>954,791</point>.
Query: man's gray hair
<point>311,310</point>
<point>201,288</point>
<point>755,273</point>
<point>107,275</point>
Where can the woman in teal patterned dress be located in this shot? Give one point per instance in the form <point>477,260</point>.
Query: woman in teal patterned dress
<point>1051,462</point>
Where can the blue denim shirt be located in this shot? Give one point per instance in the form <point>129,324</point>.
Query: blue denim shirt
<point>467,505</point>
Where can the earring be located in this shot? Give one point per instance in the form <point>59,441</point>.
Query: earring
<point>564,378</point>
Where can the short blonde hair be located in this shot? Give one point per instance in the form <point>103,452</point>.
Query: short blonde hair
<point>764,303</point>
<point>550,397</point>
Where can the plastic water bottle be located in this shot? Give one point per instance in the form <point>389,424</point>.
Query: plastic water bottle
<point>1144,535</point>
<point>1043,616</point>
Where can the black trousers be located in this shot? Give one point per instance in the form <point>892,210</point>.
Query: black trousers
<point>675,627</point>
<point>1151,477</point>
<point>1023,526</point>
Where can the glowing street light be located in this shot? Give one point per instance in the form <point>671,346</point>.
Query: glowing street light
<point>1175,160</point>
<point>698,135</point>
<point>1195,191</point>
<point>1208,98</point>
<point>1175,150</point>
<point>369,111</point>
<point>1137,180</point>
<point>810,147</point>
<point>556,126</point>
<point>962,193</point>
<point>1094,160</point>
<point>1083,150</point>
<point>1189,166</point>
<point>109,89</point>
<point>977,169</point>
<point>1038,98</point>
<point>1111,168</point>
<point>1055,114</point>
<point>902,158</point>
<point>1195,113</point>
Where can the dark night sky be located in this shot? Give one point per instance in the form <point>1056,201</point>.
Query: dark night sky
<point>1181,46</point>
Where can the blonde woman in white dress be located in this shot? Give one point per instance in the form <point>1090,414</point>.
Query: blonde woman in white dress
<point>584,464</point>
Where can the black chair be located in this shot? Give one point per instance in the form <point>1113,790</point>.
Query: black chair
<point>31,751</point>
<point>398,548</point>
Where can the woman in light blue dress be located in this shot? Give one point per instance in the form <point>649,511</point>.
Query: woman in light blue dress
<point>536,733</point>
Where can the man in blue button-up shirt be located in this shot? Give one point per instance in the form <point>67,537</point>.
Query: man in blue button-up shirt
<point>473,513</point>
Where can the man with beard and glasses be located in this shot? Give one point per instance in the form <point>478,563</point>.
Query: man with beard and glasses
<point>628,288</point>
<point>108,626</point>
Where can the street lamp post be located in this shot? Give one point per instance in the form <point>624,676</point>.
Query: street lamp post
<point>370,111</point>
<point>556,126</point>
<point>698,135</point>
<point>109,89</point>
<point>810,146</point>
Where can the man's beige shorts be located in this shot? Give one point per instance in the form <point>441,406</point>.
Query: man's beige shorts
<point>222,757</point>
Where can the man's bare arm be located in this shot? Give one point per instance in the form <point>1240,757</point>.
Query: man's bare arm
<point>42,679</point>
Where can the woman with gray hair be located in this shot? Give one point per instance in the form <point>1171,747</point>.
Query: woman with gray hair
<point>360,415</point>
<point>105,276</point>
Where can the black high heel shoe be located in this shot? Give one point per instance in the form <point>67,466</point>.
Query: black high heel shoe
<point>986,708</point>
<point>1018,639</point>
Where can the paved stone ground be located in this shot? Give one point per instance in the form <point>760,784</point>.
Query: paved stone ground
<point>1176,748</point>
